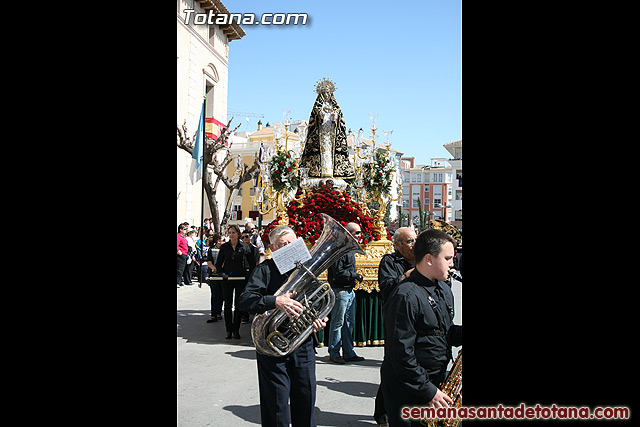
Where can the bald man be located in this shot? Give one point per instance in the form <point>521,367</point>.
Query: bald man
<point>342,277</point>
<point>397,266</point>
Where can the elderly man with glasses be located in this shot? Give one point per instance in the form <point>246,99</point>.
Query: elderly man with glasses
<point>393,269</point>
<point>342,277</point>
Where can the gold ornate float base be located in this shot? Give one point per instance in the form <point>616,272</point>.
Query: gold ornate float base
<point>367,264</point>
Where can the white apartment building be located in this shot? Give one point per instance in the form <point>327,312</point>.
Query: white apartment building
<point>431,184</point>
<point>455,148</point>
<point>202,74</point>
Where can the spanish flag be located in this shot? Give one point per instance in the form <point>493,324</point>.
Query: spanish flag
<point>212,128</point>
<point>198,147</point>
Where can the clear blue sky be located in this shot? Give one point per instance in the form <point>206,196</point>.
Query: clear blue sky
<point>400,59</point>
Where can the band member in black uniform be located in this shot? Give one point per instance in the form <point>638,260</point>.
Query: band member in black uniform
<point>291,377</point>
<point>394,268</point>
<point>419,330</point>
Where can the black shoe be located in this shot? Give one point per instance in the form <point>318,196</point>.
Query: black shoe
<point>354,359</point>
<point>228,336</point>
<point>212,319</point>
<point>236,335</point>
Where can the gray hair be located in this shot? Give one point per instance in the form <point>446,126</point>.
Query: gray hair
<point>397,234</point>
<point>280,230</point>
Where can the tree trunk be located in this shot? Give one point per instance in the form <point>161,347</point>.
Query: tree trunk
<point>219,169</point>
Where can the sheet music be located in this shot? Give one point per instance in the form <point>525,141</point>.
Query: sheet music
<point>286,257</point>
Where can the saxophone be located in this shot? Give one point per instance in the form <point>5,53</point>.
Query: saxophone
<point>452,387</point>
<point>273,332</point>
<point>455,275</point>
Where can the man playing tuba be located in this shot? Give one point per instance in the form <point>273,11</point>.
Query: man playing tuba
<point>291,377</point>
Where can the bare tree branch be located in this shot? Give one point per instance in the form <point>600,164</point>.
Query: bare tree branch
<point>219,168</point>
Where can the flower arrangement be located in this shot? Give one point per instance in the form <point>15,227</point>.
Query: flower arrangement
<point>284,176</point>
<point>378,182</point>
<point>306,221</point>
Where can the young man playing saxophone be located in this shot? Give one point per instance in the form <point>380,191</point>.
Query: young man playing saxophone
<point>419,330</point>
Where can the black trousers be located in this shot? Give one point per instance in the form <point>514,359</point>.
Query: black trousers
<point>182,262</point>
<point>188,272</point>
<point>379,411</point>
<point>229,288</point>
<point>293,378</point>
<point>395,398</point>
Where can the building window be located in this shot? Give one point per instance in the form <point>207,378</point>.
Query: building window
<point>212,35</point>
<point>209,98</point>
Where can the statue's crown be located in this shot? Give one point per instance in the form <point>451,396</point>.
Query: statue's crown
<point>325,83</point>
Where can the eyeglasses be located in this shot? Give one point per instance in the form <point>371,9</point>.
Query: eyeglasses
<point>246,237</point>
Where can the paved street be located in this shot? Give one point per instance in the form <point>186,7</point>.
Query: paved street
<point>218,380</point>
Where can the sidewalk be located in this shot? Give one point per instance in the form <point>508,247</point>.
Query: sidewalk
<point>218,379</point>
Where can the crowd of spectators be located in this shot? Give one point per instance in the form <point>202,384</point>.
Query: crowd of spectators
<point>193,250</point>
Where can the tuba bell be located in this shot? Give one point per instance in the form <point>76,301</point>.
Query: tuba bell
<point>273,332</point>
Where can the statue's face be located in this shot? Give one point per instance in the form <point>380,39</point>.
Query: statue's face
<point>326,93</point>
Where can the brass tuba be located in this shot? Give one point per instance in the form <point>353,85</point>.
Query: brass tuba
<point>452,387</point>
<point>273,332</point>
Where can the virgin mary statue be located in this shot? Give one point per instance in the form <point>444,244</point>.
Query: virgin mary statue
<point>325,152</point>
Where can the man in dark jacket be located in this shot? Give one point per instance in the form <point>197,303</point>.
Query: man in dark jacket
<point>394,268</point>
<point>342,277</point>
<point>419,330</point>
<point>291,377</point>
